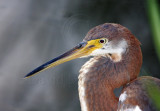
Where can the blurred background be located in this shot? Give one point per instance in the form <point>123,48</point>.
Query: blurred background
<point>35,31</point>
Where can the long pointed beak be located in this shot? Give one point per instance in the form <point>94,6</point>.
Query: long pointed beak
<point>82,49</point>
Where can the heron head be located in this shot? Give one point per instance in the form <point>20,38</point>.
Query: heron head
<point>110,40</point>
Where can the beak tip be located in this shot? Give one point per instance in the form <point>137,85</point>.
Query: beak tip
<point>35,71</point>
<point>26,76</point>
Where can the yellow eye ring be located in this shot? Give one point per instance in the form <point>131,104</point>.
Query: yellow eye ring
<point>103,41</point>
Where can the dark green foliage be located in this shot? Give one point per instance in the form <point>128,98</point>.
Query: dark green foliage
<point>154,93</point>
<point>154,17</point>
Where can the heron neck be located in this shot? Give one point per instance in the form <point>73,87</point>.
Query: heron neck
<point>94,93</point>
<point>100,76</point>
<point>97,97</point>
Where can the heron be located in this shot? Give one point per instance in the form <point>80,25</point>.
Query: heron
<point>116,60</point>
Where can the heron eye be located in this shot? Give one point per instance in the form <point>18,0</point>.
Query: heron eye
<point>102,41</point>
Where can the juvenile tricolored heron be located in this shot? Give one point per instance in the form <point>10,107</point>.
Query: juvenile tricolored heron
<point>117,62</point>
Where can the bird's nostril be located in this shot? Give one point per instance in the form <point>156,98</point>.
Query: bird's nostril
<point>91,46</point>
